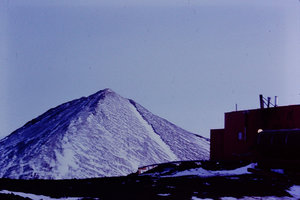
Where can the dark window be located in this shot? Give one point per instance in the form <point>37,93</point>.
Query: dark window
<point>240,136</point>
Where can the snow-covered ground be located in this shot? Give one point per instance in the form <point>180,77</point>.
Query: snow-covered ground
<point>294,191</point>
<point>96,136</point>
<point>208,173</point>
<point>37,197</point>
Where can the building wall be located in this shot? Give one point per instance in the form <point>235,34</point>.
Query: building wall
<point>241,129</point>
<point>216,144</point>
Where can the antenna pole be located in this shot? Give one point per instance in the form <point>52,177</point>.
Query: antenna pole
<point>269,101</point>
<point>261,101</point>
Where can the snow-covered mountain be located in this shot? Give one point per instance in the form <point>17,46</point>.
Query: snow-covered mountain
<point>100,135</point>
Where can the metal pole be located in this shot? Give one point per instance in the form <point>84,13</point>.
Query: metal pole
<point>261,101</point>
<point>269,101</point>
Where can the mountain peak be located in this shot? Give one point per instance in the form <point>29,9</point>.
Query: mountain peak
<point>106,90</point>
<point>103,93</point>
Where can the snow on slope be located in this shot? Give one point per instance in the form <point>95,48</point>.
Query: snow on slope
<point>100,135</point>
<point>177,138</point>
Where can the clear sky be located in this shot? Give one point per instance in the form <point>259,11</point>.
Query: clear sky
<point>187,61</point>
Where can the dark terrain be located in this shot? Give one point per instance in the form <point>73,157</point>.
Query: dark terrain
<point>155,187</point>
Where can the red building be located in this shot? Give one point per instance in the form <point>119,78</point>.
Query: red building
<point>238,139</point>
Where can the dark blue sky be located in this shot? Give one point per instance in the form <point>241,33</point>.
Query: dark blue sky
<point>186,61</point>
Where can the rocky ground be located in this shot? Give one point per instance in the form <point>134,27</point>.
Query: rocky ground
<point>154,185</point>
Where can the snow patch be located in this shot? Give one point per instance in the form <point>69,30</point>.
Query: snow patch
<point>294,191</point>
<point>164,195</point>
<point>65,159</point>
<point>258,198</point>
<point>208,173</point>
<point>37,197</point>
<point>197,198</point>
<point>279,171</point>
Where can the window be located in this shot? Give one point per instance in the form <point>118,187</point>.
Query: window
<point>240,136</point>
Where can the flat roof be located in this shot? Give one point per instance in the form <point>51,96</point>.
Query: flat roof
<point>270,108</point>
